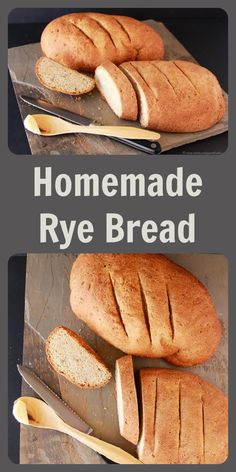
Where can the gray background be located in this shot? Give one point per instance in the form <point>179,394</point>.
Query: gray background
<point>215,209</point>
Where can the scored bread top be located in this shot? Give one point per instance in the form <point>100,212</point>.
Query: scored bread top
<point>85,40</point>
<point>184,419</point>
<point>145,305</point>
<point>73,358</point>
<point>176,96</point>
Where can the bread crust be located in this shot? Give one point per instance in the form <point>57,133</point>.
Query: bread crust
<point>127,403</point>
<point>81,342</point>
<point>185,419</point>
<point>42,80</point>
<point>85,40</point>
<point>145,305</point>
<point>128,99</point>
<point>176,96</point>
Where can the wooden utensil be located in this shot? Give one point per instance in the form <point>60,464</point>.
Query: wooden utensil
<point>31,411</point>
<point>48,125</point>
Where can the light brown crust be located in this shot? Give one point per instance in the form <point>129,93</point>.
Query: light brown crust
<point>145,305</point>
<point>126,91</point>
<point>185,419</point>
<point>125,386</point>
<point>42,80</point>
<point>85,40</point>
<point>180,96</point>
<point>86,346</point>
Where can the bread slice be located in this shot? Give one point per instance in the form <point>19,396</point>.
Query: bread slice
<point>57,77</point>
<point>72,357</point>
<point>117,90</point>
<point>127,403</point>
<point>148,105</point>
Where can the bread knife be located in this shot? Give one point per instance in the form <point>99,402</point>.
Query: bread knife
<point>52,399</point>
<point>150,147</point>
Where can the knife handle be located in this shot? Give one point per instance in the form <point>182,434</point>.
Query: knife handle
<point>114,453</point>
<point>150,147</point>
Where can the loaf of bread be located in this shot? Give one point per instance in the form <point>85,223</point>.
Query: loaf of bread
<point>184,419</point>
<point>56,77</point>
<point>85,40</point>
<point>173,96</point>
<point>118,91</point>
<point>127,402</point>
<point>145,305</point>
<point>72,357</point>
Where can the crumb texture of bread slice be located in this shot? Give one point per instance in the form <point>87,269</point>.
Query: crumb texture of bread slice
<point>184,419</point>
<point>117,90</point>
<point>73,358</point>
<point>127,403</point>
<point>57,77</point>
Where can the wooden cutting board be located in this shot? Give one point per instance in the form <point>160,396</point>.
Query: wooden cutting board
<point>21,61</point>
<point>47,306</point>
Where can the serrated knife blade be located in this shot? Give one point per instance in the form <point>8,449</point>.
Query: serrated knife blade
<point>149,147</point>
<point>52,399</point>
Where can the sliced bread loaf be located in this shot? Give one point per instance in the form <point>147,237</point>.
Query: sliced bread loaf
<point>56,77</point>
<point>184,419</point>
<point>72,357</point>
<point>175,96</point>
<point>117,90</point>
<point>127,403</point>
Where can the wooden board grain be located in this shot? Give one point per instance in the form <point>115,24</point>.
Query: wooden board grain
<point>21,62</point>
<point>47,305</point>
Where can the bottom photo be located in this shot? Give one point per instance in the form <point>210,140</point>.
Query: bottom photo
<point>118,358</point>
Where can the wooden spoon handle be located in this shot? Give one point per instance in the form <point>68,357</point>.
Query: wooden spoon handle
<point>129,132</point>
<point>113,453</point>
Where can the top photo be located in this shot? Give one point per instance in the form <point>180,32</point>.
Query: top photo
<point>132,82</point>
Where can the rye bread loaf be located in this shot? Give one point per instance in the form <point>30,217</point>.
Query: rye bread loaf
<point>145,305</point>
<point>72,357</point>
<point>85,40</point>
<point>118,91</point>
<point>184,419</point>
<point>56,77</point>
<point>127,402</point>
<point>175,96</point>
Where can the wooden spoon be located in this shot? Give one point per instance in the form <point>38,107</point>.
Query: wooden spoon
<point>34,412</point>
<point>48,125</point>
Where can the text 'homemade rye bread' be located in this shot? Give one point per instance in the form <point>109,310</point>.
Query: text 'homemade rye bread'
<point>184,419</point>
<point>85,40</point>
<point>127,402</point>
<point>145,305</point>
<point>173,96</point>
<point>73,358</point>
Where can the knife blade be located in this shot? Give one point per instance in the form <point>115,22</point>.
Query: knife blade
<point>150,147</point>
<point>52,399</point>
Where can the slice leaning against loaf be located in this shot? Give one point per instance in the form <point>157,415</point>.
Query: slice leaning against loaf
<point>127,403</point>
<point>117,90</point>
<point>72,357</point>
<point>56,77</point>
